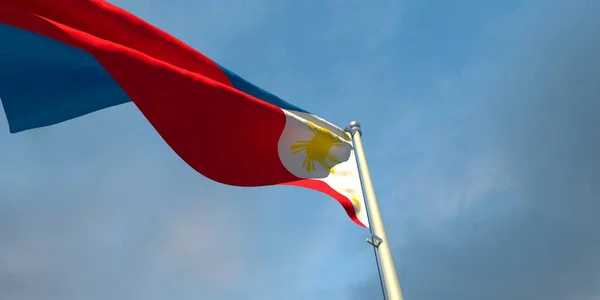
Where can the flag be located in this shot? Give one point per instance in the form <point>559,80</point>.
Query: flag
<point>60,60</point>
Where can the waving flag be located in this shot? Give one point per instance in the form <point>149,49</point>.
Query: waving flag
<point>63,59</point>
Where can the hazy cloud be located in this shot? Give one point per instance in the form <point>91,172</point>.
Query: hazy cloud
<point>535,80</point>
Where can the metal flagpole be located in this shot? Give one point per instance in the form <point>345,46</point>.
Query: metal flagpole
<point>379,240</point>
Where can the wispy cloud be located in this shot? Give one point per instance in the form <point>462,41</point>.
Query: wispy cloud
<point>527,102</point>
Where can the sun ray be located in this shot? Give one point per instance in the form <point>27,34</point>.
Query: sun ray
<point>305,162</point>
<point>299,150</point>
<point>325,165</point>
<point>333,158</point>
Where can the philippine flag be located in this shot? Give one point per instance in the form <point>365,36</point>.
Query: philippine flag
<point>60,60</point>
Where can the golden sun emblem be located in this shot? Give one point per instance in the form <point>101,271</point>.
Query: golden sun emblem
<point>318,148</point>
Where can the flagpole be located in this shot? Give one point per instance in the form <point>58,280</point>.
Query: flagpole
<point>379,240</point>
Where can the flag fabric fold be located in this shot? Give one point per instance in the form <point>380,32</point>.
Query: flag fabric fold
<point>60,60</point>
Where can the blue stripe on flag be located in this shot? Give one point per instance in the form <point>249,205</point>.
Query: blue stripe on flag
<point>253,90</point>
<point>45,82</point>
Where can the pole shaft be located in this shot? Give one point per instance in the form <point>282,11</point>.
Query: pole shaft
<point>388,268</point>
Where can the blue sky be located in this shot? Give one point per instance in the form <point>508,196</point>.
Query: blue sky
<point>479,122</point>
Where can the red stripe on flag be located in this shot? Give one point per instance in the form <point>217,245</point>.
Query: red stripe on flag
<point>222,133</point>
<point>323,187</point>
<point>111,23</point>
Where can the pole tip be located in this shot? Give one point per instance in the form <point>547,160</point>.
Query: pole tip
<point>353,128</point>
